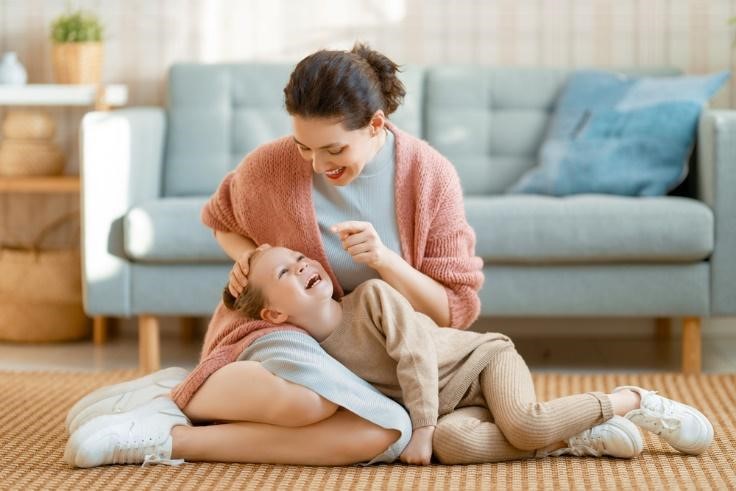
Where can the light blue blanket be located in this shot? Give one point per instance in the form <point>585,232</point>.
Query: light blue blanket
<point>298,358</point>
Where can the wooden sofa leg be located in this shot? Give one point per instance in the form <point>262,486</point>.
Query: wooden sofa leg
<point>662,328</point>
<point>187,328</point>
<point>149,353</point>
<point>691,345</point>
<point>99,330</point>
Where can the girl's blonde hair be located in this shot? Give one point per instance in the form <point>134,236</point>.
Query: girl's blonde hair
<point>251,301</point>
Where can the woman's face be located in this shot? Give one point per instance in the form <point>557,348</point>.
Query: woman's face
<point>337,153</point>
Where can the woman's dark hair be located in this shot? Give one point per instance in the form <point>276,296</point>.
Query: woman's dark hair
<point>350,84</point>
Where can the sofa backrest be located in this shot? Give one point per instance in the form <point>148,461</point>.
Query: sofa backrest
<point>488,121</point>
<point>218,113</point>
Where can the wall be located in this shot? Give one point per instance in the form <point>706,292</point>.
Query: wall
<point>145,37</point>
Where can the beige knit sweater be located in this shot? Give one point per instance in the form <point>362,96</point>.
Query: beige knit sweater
<point>405,355</point>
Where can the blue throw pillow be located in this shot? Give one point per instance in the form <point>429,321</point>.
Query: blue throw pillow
<point>616,134</point>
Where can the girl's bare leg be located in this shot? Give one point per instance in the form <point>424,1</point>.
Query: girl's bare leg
<point>245,391</point>
<point>342,439</point>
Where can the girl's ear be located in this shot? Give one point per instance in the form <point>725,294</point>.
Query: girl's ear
<point>273,316</point>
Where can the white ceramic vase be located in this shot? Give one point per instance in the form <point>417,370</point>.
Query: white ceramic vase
<point>12,71</point>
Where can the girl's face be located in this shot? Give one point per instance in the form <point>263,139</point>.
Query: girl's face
<point>293,285</point>
<point>338,153</point>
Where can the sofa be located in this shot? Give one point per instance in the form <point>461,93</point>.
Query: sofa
<point>147,171</point>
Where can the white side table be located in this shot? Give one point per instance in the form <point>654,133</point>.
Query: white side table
<point>102,97</point>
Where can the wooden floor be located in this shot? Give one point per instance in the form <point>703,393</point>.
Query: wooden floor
<point>567,353</point>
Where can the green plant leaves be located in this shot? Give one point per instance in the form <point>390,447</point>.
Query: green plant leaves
<point>77,27</point>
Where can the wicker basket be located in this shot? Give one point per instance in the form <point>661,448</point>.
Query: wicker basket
<point>41,291</point>
<point>78,63</point>
<point>28,125</point>
<point>30,158</point>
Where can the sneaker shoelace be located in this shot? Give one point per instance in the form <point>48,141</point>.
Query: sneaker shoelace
<point>142,448</point>
<point>586,443</point>
<point>134,450</point>
<point>156,459</point>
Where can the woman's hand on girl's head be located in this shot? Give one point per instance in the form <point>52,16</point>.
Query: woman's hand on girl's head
<point>362,242</point>
<point>239,274</point>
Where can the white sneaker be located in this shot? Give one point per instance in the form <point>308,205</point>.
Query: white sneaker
<point>142,435</point>
<point>617,437</point>
<point>685,428</point>
<point>124,396</point>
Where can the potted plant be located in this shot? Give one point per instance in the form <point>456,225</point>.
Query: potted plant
<point>78,50</point>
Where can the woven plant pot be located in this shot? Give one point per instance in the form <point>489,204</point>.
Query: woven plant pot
<point>28,125</point>
<point>78,63</point>
<point>41,292</point>
<point>30,158</point>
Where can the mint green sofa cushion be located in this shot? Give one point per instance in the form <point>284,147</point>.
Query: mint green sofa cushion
<point>590,229</point>
<point>509,229</point>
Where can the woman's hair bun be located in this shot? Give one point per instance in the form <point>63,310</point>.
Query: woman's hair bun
<point>351,85</point>
<point>392,88</point>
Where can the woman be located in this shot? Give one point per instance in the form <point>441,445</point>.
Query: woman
<point>333,180</point>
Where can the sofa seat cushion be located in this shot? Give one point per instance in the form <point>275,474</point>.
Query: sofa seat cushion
<point>528,229</point>
<point>589,228</point>
<point>169,230</point>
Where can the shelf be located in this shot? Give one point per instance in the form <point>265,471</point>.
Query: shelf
<point>41,184</point>
<point>61,95</point>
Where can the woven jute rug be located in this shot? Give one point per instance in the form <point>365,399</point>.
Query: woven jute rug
<point>32,439</point>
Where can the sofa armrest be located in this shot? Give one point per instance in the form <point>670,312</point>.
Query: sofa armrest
<point>717,187</point>
<point>121,154</point>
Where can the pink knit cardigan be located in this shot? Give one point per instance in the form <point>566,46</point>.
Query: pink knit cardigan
<point>268,198</point>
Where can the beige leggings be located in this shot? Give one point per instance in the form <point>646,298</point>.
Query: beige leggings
<point>517,424</point>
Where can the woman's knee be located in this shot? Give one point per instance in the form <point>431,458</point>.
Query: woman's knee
<point>379,440</point>
<point>366,440</point>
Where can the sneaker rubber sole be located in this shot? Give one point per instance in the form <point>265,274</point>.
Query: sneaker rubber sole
<point>75,418</point>
<point>106,420</point>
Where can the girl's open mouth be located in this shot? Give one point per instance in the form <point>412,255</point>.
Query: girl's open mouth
<point>313,280</point>
<point>335,173</point>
